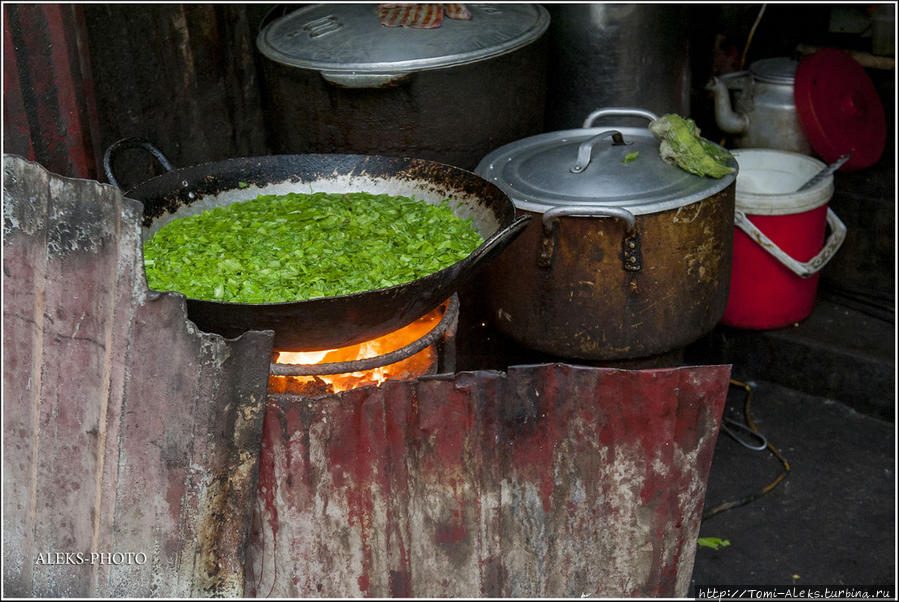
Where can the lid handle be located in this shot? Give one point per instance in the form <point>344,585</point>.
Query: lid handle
<point>619,112</point>
<point>585,150</point>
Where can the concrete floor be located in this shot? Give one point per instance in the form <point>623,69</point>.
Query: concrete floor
<point>832,521</point>
<point>825,397</point>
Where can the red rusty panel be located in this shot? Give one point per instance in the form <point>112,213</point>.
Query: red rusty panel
<point>51,116</point>
<point>125,429</point>
<point>546,481</point>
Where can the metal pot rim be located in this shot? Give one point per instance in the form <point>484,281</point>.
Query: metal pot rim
<point>359,45</point>
<point>664,186</point>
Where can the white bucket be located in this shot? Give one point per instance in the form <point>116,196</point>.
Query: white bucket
<point>767,184</point>
<point>780,245</point>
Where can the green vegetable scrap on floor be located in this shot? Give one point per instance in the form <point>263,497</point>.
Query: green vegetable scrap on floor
<point>713,542</point>
<point>295,247</point>
<point>682,145</point>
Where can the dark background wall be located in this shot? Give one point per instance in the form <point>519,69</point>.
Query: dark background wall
<point>187,77</point>
<point>182,76</point>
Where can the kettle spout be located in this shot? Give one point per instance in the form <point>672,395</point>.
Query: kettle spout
<point>727,119</point>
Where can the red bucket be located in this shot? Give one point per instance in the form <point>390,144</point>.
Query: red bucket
<point>779,238</point>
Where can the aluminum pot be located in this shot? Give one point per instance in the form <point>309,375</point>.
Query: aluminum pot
<point>336,81</point>
<point>626,257</point>
<point>643,52</point>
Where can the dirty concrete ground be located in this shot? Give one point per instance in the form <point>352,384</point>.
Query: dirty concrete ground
<point>825,397</point>
<point>831,521</point>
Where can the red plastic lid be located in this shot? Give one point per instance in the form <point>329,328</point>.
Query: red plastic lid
<point>839,109</point>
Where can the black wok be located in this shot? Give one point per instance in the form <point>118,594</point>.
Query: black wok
<point>329,322</point>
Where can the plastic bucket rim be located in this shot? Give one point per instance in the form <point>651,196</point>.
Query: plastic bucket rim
<point>755,203</point>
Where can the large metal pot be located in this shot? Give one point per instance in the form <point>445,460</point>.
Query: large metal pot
<point>616,55</point>
<point>625,257</point>
<point>336,81</point>
<point>328,322</point>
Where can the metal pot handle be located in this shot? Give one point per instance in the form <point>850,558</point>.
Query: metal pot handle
<point>801,269</point>
<point>620,112</point>
<point>550,216</point>
<point>631,255</point>
<point>126,143</point>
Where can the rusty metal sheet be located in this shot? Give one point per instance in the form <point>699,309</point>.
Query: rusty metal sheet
<point>545,481</point>
<point>51,115</point>
<point>126,431</point>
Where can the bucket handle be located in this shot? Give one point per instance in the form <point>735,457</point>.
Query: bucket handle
<point>801,269</point>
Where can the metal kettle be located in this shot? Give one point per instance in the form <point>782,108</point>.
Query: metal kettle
<point>763,114</point>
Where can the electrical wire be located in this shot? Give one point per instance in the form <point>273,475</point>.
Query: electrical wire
<point>751,34</point>
<point>746,50</point>
<point>771,448</point>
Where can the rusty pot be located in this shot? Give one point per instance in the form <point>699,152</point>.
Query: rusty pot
<point>626,257</point>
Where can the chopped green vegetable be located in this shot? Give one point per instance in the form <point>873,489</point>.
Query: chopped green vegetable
<point>242,185</point>
<point>713,542</point>
<point>682,145</point>
<point>295,247</point>
<point>631,157</point>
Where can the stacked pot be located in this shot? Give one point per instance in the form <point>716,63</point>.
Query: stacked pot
<point>337,81</point>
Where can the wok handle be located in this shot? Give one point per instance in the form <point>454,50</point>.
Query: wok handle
<point>497,243</point>
<point>126,143</point>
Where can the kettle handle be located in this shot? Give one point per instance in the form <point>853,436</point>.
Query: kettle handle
<point>620,112</point>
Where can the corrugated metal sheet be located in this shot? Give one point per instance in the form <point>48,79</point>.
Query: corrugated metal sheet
<point>50,112</point>
<point>546,481</point>
<point>126,431</point>
<point>76,78</point>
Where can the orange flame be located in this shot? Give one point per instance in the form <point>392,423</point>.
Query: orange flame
<point>416,365</point>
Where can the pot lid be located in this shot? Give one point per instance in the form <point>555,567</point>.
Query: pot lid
<point>778,70</point>
<point>349,37</point>
<point>542,172</point>
<point>839,109</point>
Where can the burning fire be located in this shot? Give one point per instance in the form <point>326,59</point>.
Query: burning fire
<point>415,365</point>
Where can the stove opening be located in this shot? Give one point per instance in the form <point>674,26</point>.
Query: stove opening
<point>422,347</point>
